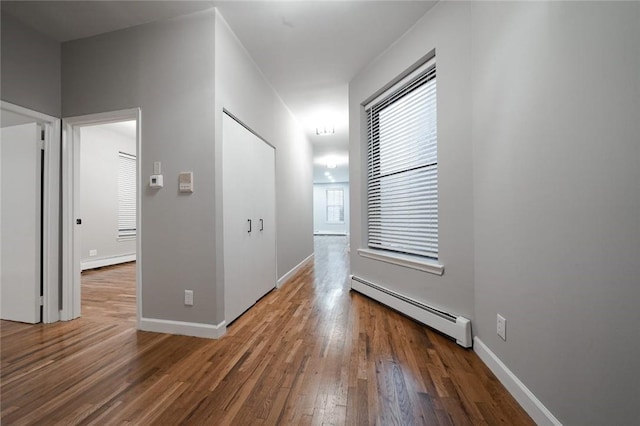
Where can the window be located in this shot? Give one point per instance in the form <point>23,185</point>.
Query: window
<point>403,167</point>
<point>126,195</point>
<point>335,205</point>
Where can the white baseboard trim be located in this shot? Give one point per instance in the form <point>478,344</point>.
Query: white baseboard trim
<point>206,331</point>
<point>107,261</point>
<point>293,271</point>
<point>532,405</point>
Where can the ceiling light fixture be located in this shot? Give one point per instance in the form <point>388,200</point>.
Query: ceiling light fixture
<point>325,130</point>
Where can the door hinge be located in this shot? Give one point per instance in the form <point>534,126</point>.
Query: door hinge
<point>42,137</point>
<point>41,300</point>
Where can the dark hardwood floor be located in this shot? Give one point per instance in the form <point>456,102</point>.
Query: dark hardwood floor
<point>311,352</point>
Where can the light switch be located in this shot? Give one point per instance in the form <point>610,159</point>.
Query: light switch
<point>157,168</point>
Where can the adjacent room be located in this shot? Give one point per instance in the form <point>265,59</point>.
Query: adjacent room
<point>107,207</point>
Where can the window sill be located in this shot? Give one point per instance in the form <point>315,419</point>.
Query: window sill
<point>406,260</point>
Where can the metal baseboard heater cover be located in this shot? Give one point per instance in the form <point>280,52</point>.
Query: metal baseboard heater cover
<point>454,326</point>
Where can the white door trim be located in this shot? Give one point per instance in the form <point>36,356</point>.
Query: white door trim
<point>51,208</point>
<point>70,184</point>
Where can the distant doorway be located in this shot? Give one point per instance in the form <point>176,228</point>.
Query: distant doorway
<point>331,208</point>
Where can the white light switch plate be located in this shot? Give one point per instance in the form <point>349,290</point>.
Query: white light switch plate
<point>501,327</point>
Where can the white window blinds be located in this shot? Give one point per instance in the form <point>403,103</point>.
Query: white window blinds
<point>403,168</point>
<point>335,205</point>
<point>126,194</point>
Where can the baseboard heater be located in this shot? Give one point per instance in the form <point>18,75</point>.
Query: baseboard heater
<point>454,326</point>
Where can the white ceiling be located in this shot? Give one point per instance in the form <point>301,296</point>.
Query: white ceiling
<point>308,50</point>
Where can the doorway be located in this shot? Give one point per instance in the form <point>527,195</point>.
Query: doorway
<point>101,193</point>
<point>30,155</point>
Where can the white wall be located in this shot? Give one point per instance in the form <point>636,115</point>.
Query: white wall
<point>320,224</point>
<point>242,90</point>
<point>544,97</point>
<point>99,165</point>
<point>556,107</point>
<point>446,29</point>
<point>30,68</point>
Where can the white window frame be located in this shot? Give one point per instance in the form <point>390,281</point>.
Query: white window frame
<point>341,205</point>
<point>427,263</point>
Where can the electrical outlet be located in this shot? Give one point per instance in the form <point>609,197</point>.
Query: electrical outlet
<point>502,327</point>
<point>93,252</point>
<point>188,297</point>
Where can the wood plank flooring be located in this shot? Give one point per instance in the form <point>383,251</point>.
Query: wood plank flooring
<point>311,352</point>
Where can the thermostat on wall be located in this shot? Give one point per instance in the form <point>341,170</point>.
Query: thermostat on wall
<point>155,181</point>
<point>185,180</point>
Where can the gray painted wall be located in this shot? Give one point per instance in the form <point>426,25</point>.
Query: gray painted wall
<point>167,70</point>
<point>170,69</point>
<point>99,165</point>
<point>242,90</point>
<point>556,107</point>
<point>320,224</point>
<point>445,29</point>
<point>30,68</point>
<point>545,99</point>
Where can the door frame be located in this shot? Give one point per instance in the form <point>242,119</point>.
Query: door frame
<point>50,208</point>
<point>71,298</point>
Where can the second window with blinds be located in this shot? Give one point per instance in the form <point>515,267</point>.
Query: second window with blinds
<point>126,195</point>
<point>335,205</point>
<point>403,167</point>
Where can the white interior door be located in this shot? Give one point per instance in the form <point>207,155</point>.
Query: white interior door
<point>249,218</point>
<point>21,158</point>
<point>239,225</point>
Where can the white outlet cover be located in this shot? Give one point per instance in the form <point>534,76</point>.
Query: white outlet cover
<point>188,297</point>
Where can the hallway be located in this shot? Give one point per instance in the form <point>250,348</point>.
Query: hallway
<point>311,352</point>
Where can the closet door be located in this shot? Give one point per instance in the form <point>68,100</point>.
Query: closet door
<point>265,238</point>
<point>249,218</point>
